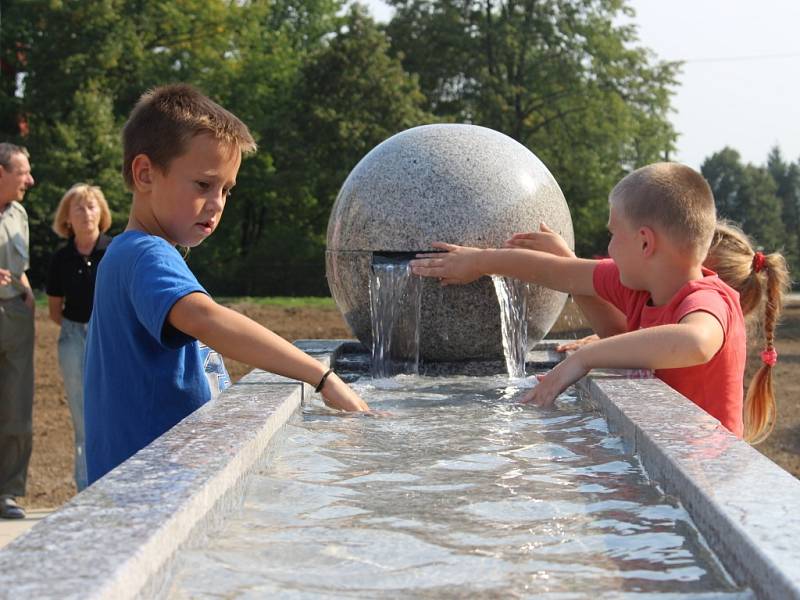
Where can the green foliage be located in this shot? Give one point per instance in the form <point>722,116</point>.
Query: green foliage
<point>787,179</point>
<point>83,147</point>
<point>319,87</point>
<point>351,95</point>
<point>347,95</point>
<point>559,76</point>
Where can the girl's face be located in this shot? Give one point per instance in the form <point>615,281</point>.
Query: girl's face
<point>84,216</point>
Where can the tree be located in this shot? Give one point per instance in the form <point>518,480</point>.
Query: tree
<point>84,147</point>
<point>17,33</point>
<point>746,194</point>
<point>725,174</point>
<point>348,96</point>
<point>561,77</point>
<point>787,179</point>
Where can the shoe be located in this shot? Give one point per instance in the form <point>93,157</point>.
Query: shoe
<point>9,509</point>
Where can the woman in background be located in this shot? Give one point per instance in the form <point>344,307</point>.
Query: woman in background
<point>82,218</point>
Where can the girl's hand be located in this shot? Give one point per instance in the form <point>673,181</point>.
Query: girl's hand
<point>550,385</point>
<point>458,264</point>
<point>545,240</point>
<point>337,394</point>
<point>576,344</point>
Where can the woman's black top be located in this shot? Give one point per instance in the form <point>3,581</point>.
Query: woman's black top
<point>72,276</point>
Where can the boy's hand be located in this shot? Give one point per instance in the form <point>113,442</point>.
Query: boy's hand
<point>545,240</point>
<point>456,265</point>
<point>550,385</point>
<point>337,394</point>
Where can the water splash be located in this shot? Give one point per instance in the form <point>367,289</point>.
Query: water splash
<point>512,296</point>
<point>395,295</point>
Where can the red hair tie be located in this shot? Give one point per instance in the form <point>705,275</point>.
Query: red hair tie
<point>769,357</point>
<point>759,262</point>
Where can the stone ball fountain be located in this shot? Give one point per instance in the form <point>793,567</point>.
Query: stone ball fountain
<point>461,184</point>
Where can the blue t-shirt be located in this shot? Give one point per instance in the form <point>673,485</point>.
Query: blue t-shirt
<point>142,376</point>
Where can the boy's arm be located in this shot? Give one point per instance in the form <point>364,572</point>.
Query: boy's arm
<point>693,341</point>
<point>463,264</point>
<point>234,335</point>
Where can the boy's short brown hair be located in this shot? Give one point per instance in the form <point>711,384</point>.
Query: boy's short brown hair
<point>166,118</point>
<point>672,198</point>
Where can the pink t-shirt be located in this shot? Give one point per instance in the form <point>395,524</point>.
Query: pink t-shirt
<point>716,386</point>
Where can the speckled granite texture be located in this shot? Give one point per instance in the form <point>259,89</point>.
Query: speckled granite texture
<point>746,507</point>
<point>118,538</point>
<point>461,184</point>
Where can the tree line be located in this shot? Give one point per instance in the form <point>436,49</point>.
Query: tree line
<point>320,83</point>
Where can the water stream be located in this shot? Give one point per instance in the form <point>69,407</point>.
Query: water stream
<point>512,297</point>
<point>395,304</point>
<point>395,295</point>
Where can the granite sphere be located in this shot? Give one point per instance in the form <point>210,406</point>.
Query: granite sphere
<point>461,184</point>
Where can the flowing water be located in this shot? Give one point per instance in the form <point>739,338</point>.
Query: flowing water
<point>511,295</point>
<point>458,492</point>
<point>395,295</point>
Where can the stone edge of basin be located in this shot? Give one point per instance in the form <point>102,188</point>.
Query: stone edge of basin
<point>118,538</point>
<point>745,505</point>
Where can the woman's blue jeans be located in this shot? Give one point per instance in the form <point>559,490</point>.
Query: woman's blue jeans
<point>71,347</point>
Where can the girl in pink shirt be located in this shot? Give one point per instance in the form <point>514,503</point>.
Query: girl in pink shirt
<point>758,281</point>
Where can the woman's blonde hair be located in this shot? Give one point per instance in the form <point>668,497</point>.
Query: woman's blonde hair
<point>77,192</point>
<point>761,280</point>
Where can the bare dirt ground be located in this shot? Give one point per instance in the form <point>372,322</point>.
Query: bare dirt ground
<point>50,477</point>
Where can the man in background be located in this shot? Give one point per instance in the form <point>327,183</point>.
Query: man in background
<point>16,331</point>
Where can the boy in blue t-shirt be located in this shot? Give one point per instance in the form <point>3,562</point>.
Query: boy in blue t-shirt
<point>144,366</point>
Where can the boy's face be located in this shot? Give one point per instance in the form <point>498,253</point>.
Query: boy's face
<point>187,201</point>
<point>625,248</point>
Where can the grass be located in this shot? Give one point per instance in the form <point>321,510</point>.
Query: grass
<point>281,301</point>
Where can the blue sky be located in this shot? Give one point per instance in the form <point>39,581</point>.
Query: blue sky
<point>741,84</point>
